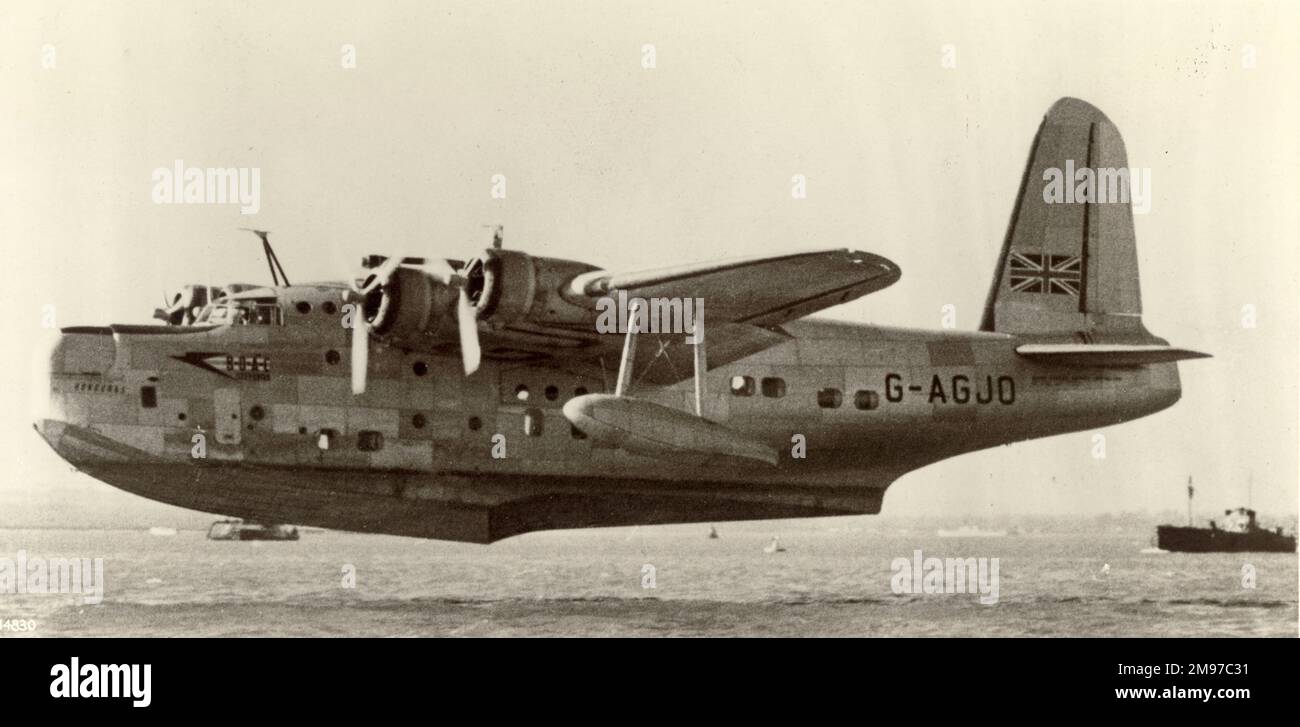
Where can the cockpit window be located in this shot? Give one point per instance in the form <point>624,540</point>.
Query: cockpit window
<point>241,313</point>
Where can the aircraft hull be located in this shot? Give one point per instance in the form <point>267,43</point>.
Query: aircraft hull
<point>467,507</point>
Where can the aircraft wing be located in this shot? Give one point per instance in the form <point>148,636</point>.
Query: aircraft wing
<point>745,302</point>
<point>760,291</point>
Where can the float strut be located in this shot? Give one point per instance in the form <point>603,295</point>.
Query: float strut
<point>625,365</point>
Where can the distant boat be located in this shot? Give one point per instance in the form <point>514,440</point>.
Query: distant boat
<point>1239,534</point>
<point>774,546</point>
<point>162,532</point>
<point>713,533</point>
<point>240,530</point>
<point>970,531</point>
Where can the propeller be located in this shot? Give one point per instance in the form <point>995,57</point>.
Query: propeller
<point>438,269</point>
<point>360,352</point>
<point>360,326</point>
<point>471,353</point>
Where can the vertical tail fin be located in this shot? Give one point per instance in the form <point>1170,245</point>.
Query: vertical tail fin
<point>1069,262</point>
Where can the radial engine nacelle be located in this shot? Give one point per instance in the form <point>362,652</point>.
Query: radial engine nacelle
<point>415,302</point>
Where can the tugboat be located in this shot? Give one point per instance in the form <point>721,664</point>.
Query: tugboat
<point>1240,534</point>
<point>240,530</point>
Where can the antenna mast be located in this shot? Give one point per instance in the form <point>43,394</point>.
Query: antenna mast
<point>272,261</point>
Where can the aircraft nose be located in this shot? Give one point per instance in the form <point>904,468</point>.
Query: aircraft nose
<point>63,353</point>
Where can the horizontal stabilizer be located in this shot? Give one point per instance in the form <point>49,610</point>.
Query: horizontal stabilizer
<point>1104,354</point>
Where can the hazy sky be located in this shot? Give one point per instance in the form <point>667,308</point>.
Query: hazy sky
<point>632,167</point>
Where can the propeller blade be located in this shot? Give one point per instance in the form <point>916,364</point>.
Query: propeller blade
<point>381,274</point>
<point>360,353</point>
<point>467,322</point>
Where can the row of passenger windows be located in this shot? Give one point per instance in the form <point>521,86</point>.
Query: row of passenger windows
<point>372,441</point>
<point>367,440</point>
<point>829,398</point>
<point>772,387</point>
<point>328,307</point>
<point>551,392</point>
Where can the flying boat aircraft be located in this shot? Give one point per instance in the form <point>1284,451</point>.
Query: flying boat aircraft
<point>478,399</point>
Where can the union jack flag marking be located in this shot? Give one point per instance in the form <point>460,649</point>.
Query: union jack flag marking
<point>1032,272</point>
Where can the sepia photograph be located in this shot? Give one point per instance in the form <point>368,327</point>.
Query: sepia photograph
<point>626,319</point>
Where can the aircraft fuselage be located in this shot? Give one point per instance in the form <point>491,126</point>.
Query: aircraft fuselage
<point>258,422</point>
